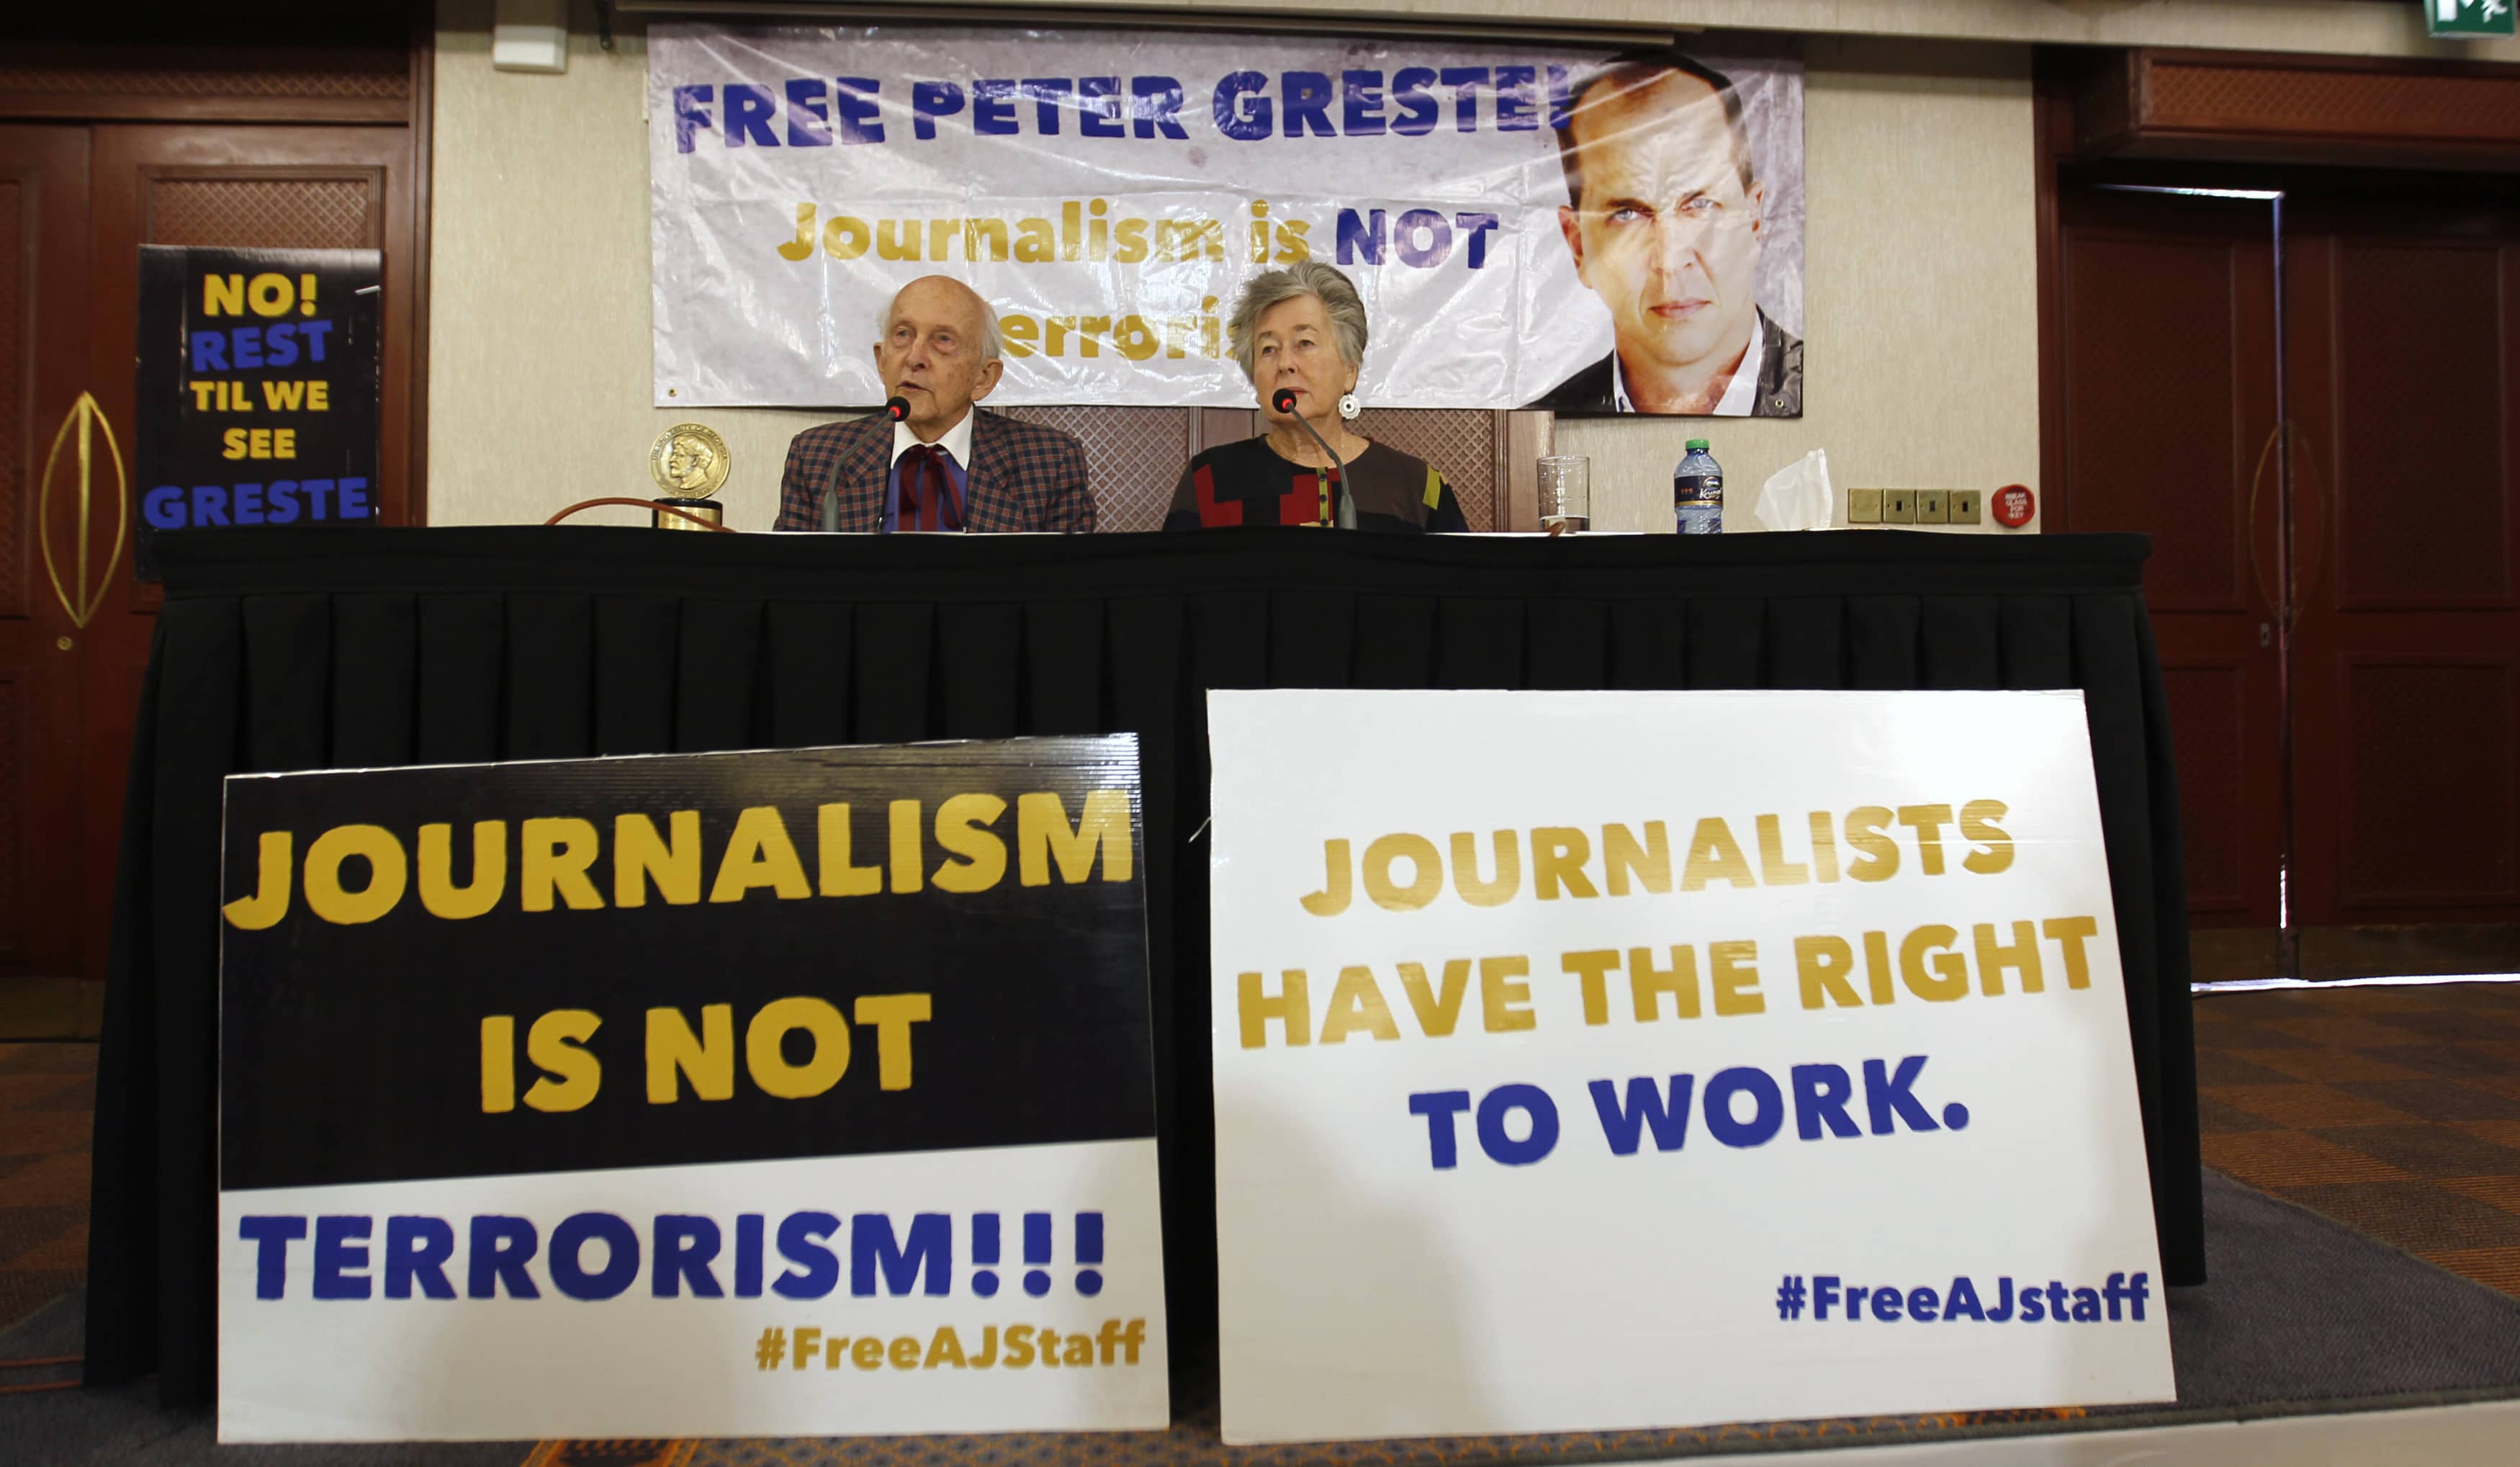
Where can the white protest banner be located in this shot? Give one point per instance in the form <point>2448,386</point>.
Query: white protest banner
<point>799,1092</point>
<point>1112,191</point>
<point>1617,1060</point>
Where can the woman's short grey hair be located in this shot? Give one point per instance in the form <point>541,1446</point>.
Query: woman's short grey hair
<point>1336,292</point>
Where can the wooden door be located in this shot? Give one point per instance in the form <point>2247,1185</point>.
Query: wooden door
<point>45,840</point>
<point>2168,353</point>
<point>76,201</point>
<point>2403,326</point>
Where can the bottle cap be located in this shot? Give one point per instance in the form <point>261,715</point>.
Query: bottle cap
<point>1697,446</point>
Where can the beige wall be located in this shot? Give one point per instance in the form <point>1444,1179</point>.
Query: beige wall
<point>1920,282</point>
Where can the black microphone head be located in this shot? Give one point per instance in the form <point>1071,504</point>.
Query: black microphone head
<point>897,409</point>
<point>1283,399</point>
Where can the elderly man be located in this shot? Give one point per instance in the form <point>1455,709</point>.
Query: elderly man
<point>1665,216</point>
<point>948,465</point>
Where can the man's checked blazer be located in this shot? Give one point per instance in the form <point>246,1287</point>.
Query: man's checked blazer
<point>1023,476</point>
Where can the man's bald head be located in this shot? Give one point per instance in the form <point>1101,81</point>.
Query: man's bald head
<point>938,348</point>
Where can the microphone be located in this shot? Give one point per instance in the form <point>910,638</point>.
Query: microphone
<point>894,408</point>
<point>1284,400</point>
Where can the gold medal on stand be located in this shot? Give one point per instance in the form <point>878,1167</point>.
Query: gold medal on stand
<point>688,462</point>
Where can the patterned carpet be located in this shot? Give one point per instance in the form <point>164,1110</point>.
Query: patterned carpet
<point>47,1097</point>
<point>2395,1111</point>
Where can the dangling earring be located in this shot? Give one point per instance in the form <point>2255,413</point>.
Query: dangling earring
<point>1349,407</point>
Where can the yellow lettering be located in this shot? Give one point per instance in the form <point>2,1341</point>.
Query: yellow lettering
<point>570,1075</point>
<point>1978,827</point>
<point>892,1014</point>
<point>1648,863</point>
<point>2070,934</point>
<point>223,295</point>
<point>1993,957</point>
<point>1732,971</point>
<point>1774,869</point>
<point>1931,970</point>
<point>1713,853</point>
<point>1879,854</point>
<point>640,855</point>
<point>770,1068</point>
<point>1928,821</point>
<point>1592,969</point>
<point>1438,1012</point>
<point>1337,883</point>
<point>498,1064</point>
<point>905,856</point>
<point>557,851</point>
<point>438,893</point>
<point>1043,835</point>
<point>1504,1003</point>
<point>839,878</point>
<point>270,899</point>
<point>388,873</point>
<point>1466,869</point>
<point>1646,984</point>
<point>1290,1008</point>
<point>1426,873</point>
<point>1357,1003</point>
<point>1823,964</point>
<point>707,1056</point>
<point>1558,856</point>
<point>984,856</point>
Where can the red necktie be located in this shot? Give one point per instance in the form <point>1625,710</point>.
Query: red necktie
<point>928,499</point>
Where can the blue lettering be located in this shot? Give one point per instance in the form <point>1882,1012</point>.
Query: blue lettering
<point>691,113</point>
<point>245,344</point>
<point>1245,120</point>
<point>1961,1302</point>
<point>1417,111</point>
<point>280,346</point>
<point>210,351</point>
<point>353,503</point>
<point>1821,1094</point>
<point>928,101</point>
<point>163,506</point>
<point>858,109</point>
<point>313,333</point>
<point>210,504</point>
<point>1475,227</point>
<point>871,1246</point>
<point>748,1255</point>
<point>1517,99</point>
<point>1050,95</point>
<point>1439,238</point>
<point>1886,1095</point>
<point>748,110</point>
<point>279,501</point>
<point>1360,104</point>
<point>809,112</point>
<point>1767,1107</point>
<point>816,1272</point>
<point>1466,82</point>
<point>417,1249</point>
<point>620,1248</point>
<point>338,1252</point>
<point>270,1236</point>
<point>1307,96</point>
<point>685,1245</point>
<point>1502,1148</point>
<point>1362,238</point>
<point>1441,1107</point>
<point>993,108</point>
<point>248,504</point>
<point>1646,1108</point>
<point>501,1249</point>
<point>1157,107</point>
<point>1100,115</point>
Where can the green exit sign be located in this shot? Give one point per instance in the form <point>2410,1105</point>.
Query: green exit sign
<point>2457,18</point>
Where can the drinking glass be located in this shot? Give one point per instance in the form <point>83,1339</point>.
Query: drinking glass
<point>1565,493</point>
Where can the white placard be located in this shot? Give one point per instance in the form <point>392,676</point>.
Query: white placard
<point>1940,1119</point>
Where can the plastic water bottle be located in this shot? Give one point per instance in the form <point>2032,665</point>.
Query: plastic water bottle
<point>1697,492</point>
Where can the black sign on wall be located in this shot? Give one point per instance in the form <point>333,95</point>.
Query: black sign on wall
<point>257,389</point>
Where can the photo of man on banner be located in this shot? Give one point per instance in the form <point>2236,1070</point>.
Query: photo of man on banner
<point>1667,219</point>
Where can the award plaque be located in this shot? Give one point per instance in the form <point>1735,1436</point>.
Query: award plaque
<point>688,462</point>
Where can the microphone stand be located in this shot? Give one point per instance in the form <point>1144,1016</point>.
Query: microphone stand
<point>895,410</point>
<point>1337,474</point>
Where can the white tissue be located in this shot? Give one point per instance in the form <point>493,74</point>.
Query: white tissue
<point>1798,496</point>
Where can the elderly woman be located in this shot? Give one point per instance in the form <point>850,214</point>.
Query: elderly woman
<point>1302,330</point>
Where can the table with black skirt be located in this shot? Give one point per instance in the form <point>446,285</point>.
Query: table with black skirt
<point>342,648</point>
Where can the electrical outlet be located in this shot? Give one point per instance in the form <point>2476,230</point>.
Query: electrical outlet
<point>1965,505</point>
<point>1864,505</point>
<point>1931,507</point>
<point>1897,506</point>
